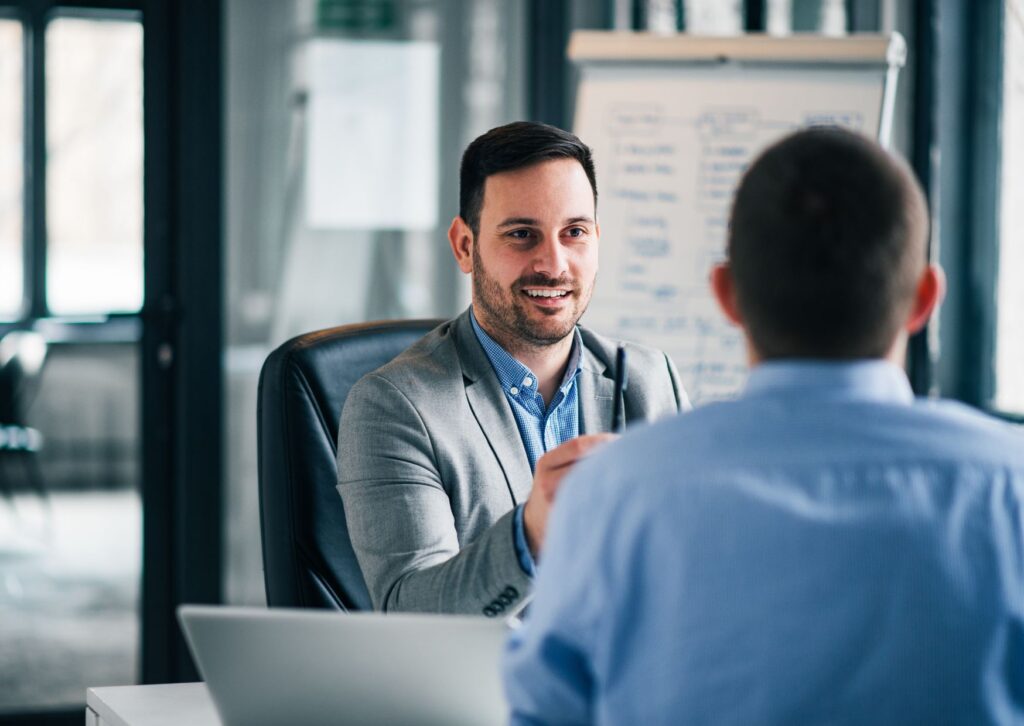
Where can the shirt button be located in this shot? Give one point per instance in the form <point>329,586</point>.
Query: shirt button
<point>527,381</point>
<point>514,391</point>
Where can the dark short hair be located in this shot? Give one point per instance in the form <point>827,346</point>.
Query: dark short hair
<point>827,240</point>
<point>514,146</point>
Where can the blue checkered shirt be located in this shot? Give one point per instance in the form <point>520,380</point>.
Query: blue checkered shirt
<point>541,428</point>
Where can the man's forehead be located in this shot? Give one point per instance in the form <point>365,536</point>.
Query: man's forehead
<point>515,221</point>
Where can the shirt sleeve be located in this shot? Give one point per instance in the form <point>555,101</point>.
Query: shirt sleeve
<point>548,664</point>
<point>522,548</point>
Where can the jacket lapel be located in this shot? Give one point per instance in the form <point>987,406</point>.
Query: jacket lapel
<point>597,392</point>
<point>492,411</point>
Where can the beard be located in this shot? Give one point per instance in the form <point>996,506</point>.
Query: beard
<point>516,323</point>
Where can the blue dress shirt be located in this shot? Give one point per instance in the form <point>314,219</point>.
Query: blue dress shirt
<point>541,427</point>
<point>821,550</point>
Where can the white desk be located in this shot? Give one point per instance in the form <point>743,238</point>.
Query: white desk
<point>172,704</point>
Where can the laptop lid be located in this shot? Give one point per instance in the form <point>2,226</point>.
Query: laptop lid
<point>321,667</point>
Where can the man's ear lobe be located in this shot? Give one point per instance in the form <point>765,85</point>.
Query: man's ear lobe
<point>725,292</point>
<point>931,288</point>
<point>460,237</point>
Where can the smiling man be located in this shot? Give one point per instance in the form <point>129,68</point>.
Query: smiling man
<point>449,456</point>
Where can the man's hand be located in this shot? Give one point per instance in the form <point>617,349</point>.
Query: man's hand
<point>551,469</point>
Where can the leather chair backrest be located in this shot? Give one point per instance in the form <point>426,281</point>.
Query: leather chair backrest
<point>307,557</point>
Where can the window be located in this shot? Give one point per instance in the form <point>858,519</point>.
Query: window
<point>83,236</point>
<point>71,241</point>
<point>94,166</point>
<point>1009,388</point>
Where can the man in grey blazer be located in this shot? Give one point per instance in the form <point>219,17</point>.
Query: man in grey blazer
<point>449,456</point>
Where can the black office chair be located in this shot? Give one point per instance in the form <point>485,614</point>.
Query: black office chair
<point>307,557</point>
<point>22,354</point>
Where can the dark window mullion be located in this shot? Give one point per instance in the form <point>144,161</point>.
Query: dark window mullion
<point>548,23</point>
<point>984,113</point>
<point>35,160</point>
<point>25,15</point>
<point>922,353</point>
<point>754,20</point>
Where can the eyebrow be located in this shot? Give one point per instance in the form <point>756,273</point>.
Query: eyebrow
<point>530,222</point>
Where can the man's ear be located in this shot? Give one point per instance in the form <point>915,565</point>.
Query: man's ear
<point>931,288</point>
<point>725,292</point>
<point>460,237</point>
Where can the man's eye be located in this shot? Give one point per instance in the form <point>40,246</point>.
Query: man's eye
<point>576,232</point>
<point>520,234</point>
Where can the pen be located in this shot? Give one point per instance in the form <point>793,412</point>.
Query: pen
<point>621,381</point>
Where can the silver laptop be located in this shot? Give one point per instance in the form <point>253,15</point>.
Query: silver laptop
<point>317,667</point>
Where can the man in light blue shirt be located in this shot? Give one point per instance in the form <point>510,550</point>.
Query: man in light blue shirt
<point>824,549</point>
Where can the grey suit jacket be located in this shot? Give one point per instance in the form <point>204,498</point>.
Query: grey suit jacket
<point>431,465</point>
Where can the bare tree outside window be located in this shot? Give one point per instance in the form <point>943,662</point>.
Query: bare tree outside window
<point>94,166</point>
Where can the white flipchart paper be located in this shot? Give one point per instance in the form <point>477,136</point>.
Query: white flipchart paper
<point>372,135</point>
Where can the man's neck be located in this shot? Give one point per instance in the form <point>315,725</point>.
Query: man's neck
<point>548,362</point>
<point>897,354</point>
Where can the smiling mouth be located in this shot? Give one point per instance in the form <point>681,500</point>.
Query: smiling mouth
<point>546,294</point>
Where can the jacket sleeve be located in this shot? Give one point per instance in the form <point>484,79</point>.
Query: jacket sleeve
<point>400,517</point>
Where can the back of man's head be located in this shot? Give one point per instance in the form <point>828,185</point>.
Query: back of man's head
<point>514,146</point>
<point>827,241</point>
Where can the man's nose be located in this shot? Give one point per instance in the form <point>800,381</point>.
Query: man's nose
<point>550,257</point>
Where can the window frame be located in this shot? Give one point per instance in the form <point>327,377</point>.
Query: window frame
<point>34,313</point>
<point>179,330</point>
<point>34,16</point>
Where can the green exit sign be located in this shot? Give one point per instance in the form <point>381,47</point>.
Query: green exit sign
<point>356,15</point>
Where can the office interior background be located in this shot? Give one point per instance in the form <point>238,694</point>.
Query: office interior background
<point>155,187</point>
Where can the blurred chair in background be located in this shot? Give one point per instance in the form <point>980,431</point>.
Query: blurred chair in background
<point>22,354</point>
<point>308,560</point>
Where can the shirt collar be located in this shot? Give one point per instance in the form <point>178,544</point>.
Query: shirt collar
<point>511,373</point>
<point>870,380</point>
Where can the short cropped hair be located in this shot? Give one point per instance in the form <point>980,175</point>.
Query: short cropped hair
<point>514,146</point>
<point>827,240</point>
